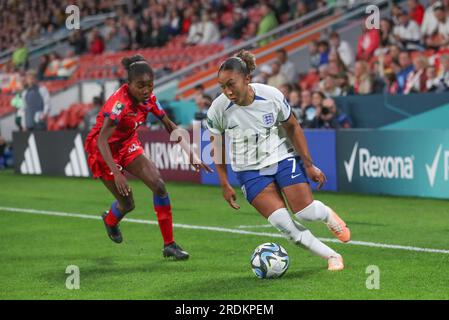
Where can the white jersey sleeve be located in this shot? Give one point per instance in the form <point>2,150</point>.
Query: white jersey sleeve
<point>284,108</point>
<point>215,121</point>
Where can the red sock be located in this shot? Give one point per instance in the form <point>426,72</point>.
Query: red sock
<point>164,218</point>
<point>114,216</point>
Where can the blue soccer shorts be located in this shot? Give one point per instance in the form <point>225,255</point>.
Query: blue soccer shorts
<point>284,173</point>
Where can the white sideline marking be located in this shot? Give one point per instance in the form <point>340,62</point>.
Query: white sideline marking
<point>219,229</point>
<point>256,226</point>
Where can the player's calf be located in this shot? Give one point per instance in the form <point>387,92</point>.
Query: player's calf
<point>318,211</point>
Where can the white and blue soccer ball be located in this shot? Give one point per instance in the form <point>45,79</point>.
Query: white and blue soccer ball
<point>269,261</point>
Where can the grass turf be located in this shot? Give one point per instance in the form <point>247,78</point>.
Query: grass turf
<point>36,249</point>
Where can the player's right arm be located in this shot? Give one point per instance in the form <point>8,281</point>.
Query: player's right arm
<point>106,132</point>
<point>220,165</point>
<point>216,126</point>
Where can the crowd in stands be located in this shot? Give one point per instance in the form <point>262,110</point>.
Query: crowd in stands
<point>408,54</point>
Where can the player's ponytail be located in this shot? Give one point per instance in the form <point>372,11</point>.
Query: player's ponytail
<point>244,62</point>
<point>136,65</point>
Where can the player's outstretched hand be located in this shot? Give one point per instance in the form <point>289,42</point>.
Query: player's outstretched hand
<point>122,184</point>
<point>203,166</point>
<point>230,197</point>
<point>316,175</point>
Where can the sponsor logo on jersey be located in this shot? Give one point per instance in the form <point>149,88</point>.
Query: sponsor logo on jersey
<point>118,108</point>
<point>133,148</point>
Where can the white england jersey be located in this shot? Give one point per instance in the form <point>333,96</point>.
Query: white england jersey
<point>256,136</point>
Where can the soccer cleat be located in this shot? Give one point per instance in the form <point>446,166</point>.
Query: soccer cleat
<point>175,251</point>
<point>338,227</point>
<point>335,263</point>
<point>113,232</point>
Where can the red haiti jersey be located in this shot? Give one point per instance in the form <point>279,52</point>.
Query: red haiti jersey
<point>124,143</point>
<point>126,115</point>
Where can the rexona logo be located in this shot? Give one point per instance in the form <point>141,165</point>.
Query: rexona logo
<point>433,168</point>
<point>372,166</point>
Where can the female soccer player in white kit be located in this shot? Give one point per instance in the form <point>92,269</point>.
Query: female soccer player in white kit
<point>270,157</point>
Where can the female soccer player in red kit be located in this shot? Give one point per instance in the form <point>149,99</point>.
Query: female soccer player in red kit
<point>113,146</point>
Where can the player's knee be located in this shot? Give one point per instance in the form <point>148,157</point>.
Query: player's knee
<point>128,206</point>
<point>159,188</point>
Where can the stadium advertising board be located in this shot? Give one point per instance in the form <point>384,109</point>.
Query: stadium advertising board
<point>394,162</point>
<point>61,153</point>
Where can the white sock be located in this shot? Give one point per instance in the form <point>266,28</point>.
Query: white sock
<point>314,211</point>
<point>299,234</point>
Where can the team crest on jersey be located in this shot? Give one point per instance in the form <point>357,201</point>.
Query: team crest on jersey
<point>118,107</point>
<point>268,119</point>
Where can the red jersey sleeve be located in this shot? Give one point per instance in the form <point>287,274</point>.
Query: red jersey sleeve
<point>155,107</point>
<point>113,109</point>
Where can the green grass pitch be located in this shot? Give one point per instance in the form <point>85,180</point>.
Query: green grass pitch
<point>35,249</point>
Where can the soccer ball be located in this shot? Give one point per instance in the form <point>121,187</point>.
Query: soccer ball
<point>269,261</point>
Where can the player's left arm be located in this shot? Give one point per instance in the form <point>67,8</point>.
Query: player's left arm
<point>298,139</point>
<point>171,127</point>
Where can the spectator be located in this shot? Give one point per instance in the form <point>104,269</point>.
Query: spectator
<point>267,23</point>
<point>277,78</point>
<point>342,82</point>
<point>195,31</point>
<point>312,112</point>
<point>78,41</point>
<point>294,100</point>
<point>20,55</point>
<point>314,55</point>
<point>363,83</point>
<point>210,33</point>
<point>174,26</point>
<point>443,80</point>
<point>329,87</point>
<point>239,23</point>
<point>396,11</point>
<point>288,68</point>
<point>391,83</point>
<point>201,115</point>
<point>264,74</point>
<point>343,120</point>
<point>310,80</point>
<point>336,65</point>
<point>44,60</point>
<point>441,37</point>
<point>124,40</point>
<point>416,11</point>
<point>343,49</point>
<point>36,103</point>
<point>286,88</point>
<point>306,103</point>
<point>417,80</point>
<point>96,43</point>
<point>327,118</point>
<point>407,32</point>
<point>387,37</point>
<point>406,67</point>
<point>430,23</point>
<point>199,93</point>
<point>323,49</point>
<point>368,42</point>
<point>91,116</point>
<point>301,11</point>
<point>433,80</point>
<point>158,36</point>
<point>18,104</point>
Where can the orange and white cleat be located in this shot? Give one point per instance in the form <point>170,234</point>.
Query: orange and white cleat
<point>338,227</point>
<point>335,263</point>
